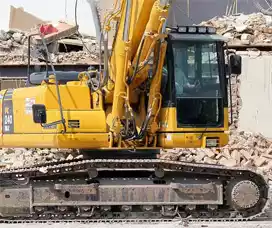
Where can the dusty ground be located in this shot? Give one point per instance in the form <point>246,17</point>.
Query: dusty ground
<point>164,225</point>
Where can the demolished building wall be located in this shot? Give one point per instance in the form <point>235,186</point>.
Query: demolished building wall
<point>195,11</point>
<point>256,93</point>
<point>19,19</point>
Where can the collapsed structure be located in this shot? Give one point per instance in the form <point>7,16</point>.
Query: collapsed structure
<point>243,29</point>
<point>68,49</point>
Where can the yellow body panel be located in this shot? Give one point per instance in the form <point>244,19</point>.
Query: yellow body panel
<point>189,140</point>
<point>170,136</point>
<point>76,101</point>
<point>74,141</point>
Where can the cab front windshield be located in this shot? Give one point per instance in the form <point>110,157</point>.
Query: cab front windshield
<point>196,70</point>
<point>197,84</point>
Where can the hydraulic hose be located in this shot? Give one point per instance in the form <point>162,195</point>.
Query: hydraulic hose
<point>57,87</point>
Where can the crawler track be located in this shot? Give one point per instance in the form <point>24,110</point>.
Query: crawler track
<point>131,190</point>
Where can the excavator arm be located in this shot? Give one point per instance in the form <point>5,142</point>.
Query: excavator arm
<point>141,32</point>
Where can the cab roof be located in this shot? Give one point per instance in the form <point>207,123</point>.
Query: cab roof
<point>197,37</point>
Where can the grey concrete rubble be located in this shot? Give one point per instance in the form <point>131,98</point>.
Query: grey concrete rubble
<point>245,149</point>
<point>79,57</point>
<point>255,28</point>
<point>21,157</point>
<point>11,39</point>
<point>14,49</point>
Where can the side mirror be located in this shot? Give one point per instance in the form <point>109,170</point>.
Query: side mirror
<point>39,113</point>
<point>235,62</point>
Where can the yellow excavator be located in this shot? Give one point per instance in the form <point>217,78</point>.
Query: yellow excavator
<point>159,88</point>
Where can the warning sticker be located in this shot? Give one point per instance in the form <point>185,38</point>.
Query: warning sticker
<point>28,105</point>
<point>7,113</point>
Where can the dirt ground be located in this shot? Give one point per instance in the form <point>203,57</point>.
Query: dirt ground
<point>163,225</point>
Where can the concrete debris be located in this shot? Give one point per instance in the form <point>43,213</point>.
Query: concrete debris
<point>230,162</point>
<point>56,32</point>
<point>233,155</point>
<point>11,40</point>
<point>79,57</point>
<point>14,48</point>
<point>260,161</point>
<point>209,160</point>
<point>246,154</point>
<point>43,170</point>
<point>210,153</point>
<point>255,28</point>
<point>22,157</point>
<point>70,157</point>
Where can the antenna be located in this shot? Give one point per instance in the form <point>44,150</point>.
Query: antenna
<point>265,8</point>
<point>232,7</point>
<point>65,10</point>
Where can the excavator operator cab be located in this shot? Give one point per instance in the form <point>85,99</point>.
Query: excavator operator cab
<point>195,79</point>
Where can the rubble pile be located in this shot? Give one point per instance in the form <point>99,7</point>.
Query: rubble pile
<point>245,149</point>
<point>21,157</point>
<point>14,50</point>
<point>235,101</point>
<point>78,57</point>
<point>12,39</point>
<point>255,28</point>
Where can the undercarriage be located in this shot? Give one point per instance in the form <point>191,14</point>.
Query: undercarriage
<point>131,189</point>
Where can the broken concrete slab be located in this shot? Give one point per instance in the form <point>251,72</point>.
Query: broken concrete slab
<point>19,19</point>
<point>222,161</point>
<point>74,42</point>
<point>267,168</point>
<point>236,155</point>
<point>259,161</point>
<point>267,156</point>
<point>226,153</point>
<point>64,30</point>
<point>246,37</point>
<point>210,153</point>
<point>200,155</point>
<point>230,162</point>
<point>220,155</point>
<point>248,163</point>
<point>209,160</point>
<point>246,154</point>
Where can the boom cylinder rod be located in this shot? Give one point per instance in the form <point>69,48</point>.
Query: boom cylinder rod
<point>121,58</point>
<point>127,22</point>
